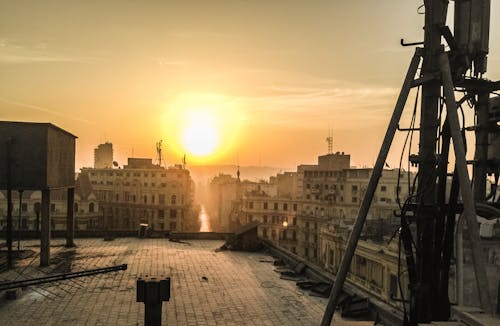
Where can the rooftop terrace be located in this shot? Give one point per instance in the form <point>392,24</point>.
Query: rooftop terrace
<point>208,287</point>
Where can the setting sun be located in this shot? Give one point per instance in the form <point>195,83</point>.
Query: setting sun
<point>201,136</point>
<point>204,127</point>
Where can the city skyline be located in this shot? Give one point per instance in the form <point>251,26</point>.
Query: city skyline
<point>134,73</point>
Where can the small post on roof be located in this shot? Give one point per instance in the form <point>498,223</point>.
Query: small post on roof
<point>153,291</point>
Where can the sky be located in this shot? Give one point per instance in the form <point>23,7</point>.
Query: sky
<point>225,82</point>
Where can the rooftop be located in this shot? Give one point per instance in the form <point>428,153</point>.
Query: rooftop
<point>208,287</point>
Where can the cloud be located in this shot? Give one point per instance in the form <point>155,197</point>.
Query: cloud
<point>317,105</point>
<point>43,109</point>
<point>12,52</point>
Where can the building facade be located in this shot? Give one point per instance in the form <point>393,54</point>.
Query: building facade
<point>103,156</point>
<point>26,212</point>
<point>142,192</point>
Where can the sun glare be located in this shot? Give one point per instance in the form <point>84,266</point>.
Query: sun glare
<point>201,136</point>
<point>204,127</point>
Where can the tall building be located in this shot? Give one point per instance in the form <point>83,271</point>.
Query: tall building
<point>103,156</point>
<point>142,192</point>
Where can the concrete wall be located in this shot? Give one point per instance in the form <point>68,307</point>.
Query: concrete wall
<point>42,156</point>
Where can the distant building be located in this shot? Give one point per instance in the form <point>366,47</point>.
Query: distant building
<point>142,192</point>
<point>86,209</point>
<point>103,156</point>
<point>293,207</point>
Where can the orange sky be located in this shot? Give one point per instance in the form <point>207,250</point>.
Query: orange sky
<point>275,74</point>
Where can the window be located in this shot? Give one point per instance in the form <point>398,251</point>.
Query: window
<point>75,206</point>
<point>294,235</point>
<point>173,213</point>
<point>250,205</point>
<point>294,207</point>
<point>161,213</point>
<point>294,221</point>
<point>275,206</point>
<point>265,205</point>
<point>354,199</point>
<point>273,234</point>
<point>285,207</point>
<point>161,199</point>
<point>145,199</point>
<point>265,219</point>
<point>173,226</point>
<point>52,207</point>
<point>152,199</point>
<point>264,233</point>
<point>24,207</point>
<point>308,186</point>
<point>173,199</point>
<point>117,197</point>
<point>354,188</point>
<point>383,188</point>
<point>91,207</point>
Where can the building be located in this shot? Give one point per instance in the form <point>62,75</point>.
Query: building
<point>103,156</point>
<point>142,192</point>
<point>27,213</point>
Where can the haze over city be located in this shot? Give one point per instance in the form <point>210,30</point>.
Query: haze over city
<point>225,82</point>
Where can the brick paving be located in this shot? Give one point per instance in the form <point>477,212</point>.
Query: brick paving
<point>239,288</point>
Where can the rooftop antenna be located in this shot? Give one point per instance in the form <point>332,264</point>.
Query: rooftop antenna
<point>158,153</point>
<point>184,161</point>
<point>329,140</point>
<point>238,164</point>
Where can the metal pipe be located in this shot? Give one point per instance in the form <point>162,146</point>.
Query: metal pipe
<point>370,191</point>
<point>60,277</point>
<point>478,259</point>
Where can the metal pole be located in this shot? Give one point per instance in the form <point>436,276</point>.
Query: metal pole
<point>60,277</point>
<point>70,218</point>
<point>370,191</point>
<point>469,213</point>
<point>19,221</point>
<point>481,154</point>
<point>426,289</point>
<point>460,262</point>
<point>9,204</point>
<point>45,229</point>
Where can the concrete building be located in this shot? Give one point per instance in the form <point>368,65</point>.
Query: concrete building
<point>142,192</point>
<point>103,156</point>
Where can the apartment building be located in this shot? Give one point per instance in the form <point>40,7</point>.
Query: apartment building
<point>27,207</point>
<point>142,192</point>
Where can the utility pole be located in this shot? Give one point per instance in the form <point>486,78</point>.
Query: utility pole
<point>435,17</point>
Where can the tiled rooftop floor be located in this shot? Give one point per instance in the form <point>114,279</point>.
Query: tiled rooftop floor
<point>240,290</point>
